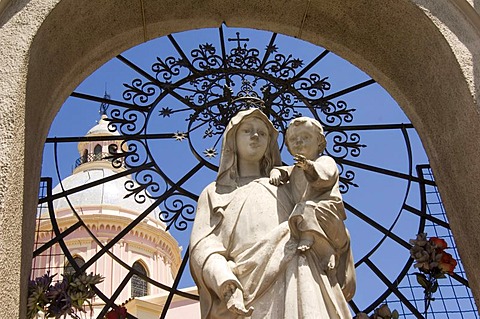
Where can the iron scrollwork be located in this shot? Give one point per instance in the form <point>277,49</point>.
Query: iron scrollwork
<point>346,179</point>
<point>146,185</point>
<point>177,213</point>
<point>344,144</point>
<point>193,96</point>
<point>211,86</point>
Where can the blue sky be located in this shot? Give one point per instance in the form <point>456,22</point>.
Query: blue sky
<point>378,195</point>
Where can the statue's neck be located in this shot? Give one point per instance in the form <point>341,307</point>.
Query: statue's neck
<point>249,169</point>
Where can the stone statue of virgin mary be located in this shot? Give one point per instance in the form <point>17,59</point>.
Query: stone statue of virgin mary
<point>242,255</point>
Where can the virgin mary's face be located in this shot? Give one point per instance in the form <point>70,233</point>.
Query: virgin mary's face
<point>252,139</point>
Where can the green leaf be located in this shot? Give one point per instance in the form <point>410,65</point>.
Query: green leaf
<point>395,314</point>
<point>422,280</point>
<point>435,286</point>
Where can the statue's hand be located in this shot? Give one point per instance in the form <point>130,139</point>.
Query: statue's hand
<point>228,289</point>
<point>236,305</point>
<point>275,177</point>
<point>302,162</point>
<point>240,310</point>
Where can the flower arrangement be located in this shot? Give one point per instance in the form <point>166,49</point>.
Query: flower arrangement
<point>433,263</point>
<point>382,312</point>
<point>66,297</point>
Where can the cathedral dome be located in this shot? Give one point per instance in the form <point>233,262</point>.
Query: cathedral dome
<point>108,197</point>
<point>102,129</point>
<point>115,197</point>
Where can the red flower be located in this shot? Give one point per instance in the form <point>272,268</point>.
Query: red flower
<point>447,263</point>
<point>438,242</point>
<point>111,315</point>
<point>119,313</point>
<point>122,312</point>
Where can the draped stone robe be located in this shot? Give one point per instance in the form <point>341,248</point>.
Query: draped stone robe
<point>241,235</point>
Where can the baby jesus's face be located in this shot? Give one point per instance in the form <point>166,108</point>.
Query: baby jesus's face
<point>303,140</point>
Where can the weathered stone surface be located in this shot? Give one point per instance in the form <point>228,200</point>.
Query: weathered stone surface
<point>260,249</point>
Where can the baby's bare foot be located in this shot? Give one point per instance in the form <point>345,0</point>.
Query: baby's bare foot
<point>305,244</point>
<point>303,247</point>
<point>306,241</point>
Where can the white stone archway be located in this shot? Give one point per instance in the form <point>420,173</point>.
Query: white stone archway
<point>423,52</point>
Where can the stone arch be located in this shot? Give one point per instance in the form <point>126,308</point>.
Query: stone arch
<point>392,40</point>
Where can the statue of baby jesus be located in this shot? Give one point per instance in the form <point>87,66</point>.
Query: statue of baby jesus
<point>313,180</point>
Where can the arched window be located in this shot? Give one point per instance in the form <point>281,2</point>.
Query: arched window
<point>98,152</point>
<point>69,269</point>
<point>139,285</point>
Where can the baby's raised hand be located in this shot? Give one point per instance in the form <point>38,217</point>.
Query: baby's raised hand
<point>301,161</point>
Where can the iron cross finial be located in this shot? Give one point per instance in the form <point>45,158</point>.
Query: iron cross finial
<point>238,40</point>
<point>104,105</point>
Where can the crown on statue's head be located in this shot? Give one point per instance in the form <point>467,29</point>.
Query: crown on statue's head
<point>247,97</point>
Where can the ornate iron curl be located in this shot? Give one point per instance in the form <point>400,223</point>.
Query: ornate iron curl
<point>126,121</point>
<point>314,85</point>
<point>346,179</point>
<point>281,116</point>
<point>335,114</point>
<point>204,58</point>
<point>344,144</point>
<point>177,214</point>
<point>283,67</point>
<point>166,70</point>
<point>207,89</point>
<point>145,186</point>
<point>140,93</point>
<point>128,154</point>
<point>243,58</point>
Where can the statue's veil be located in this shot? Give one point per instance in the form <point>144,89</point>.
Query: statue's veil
<point>228,171</point>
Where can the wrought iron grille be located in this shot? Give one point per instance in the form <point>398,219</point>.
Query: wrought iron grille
<point>454,298</point>
<point>42,248</point>
<point>171,117</point>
